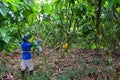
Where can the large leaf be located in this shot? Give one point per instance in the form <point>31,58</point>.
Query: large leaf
<point>14,6</point>
<point>6,39</point>
<point>2,32</point>
<point>3,8</point>
<point>111,3</point>
<point>118,9</point>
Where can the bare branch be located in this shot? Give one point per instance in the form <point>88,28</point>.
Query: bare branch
<point>98,13</point>
<point>58,46</point>
<point>116,17</point>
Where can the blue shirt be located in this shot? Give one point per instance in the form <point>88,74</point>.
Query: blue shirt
<point>26,50</point>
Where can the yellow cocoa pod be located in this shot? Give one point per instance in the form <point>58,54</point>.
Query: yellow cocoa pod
<point>65,46</point>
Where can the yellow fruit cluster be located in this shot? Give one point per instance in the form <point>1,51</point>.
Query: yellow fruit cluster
<point>65,46</point>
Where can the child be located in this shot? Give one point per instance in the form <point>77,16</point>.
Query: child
<point>26,56</point>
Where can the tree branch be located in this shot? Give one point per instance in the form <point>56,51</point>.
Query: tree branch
<point>116,17</point>
<point>98,17</point>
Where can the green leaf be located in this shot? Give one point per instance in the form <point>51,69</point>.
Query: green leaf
<point>29,2</point>
<point>111,3</point>
<point>6,39</point>
<point>118,9</point>
<point>47,8</point>
<point>3,8</point>
<point>14,6</point>
<point>81,1</point>
<point>2,32</point>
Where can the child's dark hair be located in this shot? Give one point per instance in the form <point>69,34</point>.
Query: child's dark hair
<point>25,38</point>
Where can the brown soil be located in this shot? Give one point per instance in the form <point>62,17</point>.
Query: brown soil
<point>57,65</point>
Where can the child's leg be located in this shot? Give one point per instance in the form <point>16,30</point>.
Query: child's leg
<point>30,66</point>
<point>23,67</point>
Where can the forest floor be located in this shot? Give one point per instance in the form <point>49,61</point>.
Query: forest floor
<point>77,64</point>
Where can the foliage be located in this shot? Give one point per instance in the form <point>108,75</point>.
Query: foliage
<point>14,16</point>
<point>85,23</point>
<point>63,20</point>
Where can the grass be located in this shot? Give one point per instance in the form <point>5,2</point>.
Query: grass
<point>41,75</point>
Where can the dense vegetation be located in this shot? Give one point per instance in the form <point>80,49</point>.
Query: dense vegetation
<point>88,24</point>
<point>82,21</point>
